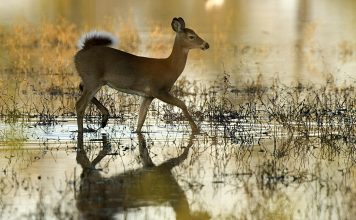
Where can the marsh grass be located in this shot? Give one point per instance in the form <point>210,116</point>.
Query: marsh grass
<point>40,66</point>
<point>295,128</point>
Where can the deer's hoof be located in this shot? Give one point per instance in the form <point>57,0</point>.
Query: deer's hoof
<point>104,121</point>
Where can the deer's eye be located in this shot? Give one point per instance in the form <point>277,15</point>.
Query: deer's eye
<point>191,37</point>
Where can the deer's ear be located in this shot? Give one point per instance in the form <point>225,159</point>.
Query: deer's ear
<point>182,22</point>
<point>177,24</point>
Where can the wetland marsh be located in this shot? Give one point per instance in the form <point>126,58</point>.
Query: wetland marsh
<point>277,117</point>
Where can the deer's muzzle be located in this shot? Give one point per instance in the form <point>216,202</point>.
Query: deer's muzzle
<point>205,46</point>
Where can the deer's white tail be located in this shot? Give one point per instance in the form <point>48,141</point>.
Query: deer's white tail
<point>96,38</point>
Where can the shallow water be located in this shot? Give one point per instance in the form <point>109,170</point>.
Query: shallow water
<point>165,174</point>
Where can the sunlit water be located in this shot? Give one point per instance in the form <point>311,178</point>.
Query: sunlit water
<point>205,177</point>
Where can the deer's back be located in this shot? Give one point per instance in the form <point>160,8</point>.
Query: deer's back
<point>100,59</point>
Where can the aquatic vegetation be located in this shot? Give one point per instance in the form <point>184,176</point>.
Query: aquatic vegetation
<point>265,146</point>
<point>13,136</point>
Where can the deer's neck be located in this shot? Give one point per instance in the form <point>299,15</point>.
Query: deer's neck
<point>178,58</point>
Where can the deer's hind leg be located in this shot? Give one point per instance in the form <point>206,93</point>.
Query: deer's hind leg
<point>104,111</point>
<point>82,103</point>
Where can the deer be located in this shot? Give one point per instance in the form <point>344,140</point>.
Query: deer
<point>102,197</point>
<point>98,64</point>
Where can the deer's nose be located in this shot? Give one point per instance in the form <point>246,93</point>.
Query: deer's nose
<point>205,46</point>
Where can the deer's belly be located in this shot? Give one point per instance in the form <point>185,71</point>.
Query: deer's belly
<point>145,92</point>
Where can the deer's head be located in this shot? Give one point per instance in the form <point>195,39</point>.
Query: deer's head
<point>188,38</point>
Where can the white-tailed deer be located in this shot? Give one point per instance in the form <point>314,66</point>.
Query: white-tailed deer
<point>99,65</point>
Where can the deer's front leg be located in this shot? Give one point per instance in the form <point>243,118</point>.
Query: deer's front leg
<point>145,104</point>
<point>169,99</point>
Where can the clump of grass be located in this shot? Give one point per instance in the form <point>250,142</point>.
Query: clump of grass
<point>313,112</point>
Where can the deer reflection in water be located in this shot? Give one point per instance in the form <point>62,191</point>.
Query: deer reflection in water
<point>151,185</point>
